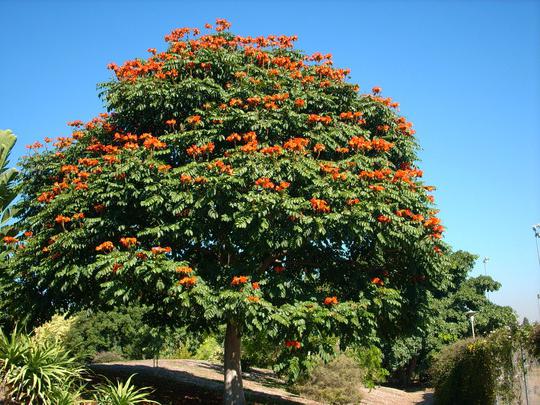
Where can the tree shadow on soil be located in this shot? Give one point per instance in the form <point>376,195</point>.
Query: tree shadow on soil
<point>175,387</point>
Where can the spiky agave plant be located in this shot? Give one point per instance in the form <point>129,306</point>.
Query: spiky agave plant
<point>34,372</point>
<point>122,393</point>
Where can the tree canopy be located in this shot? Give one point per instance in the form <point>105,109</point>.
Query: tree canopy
<point>232,179</point>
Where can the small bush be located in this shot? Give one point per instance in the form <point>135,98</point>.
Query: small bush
<point>370,359</point>
<point>106,357</point>
<point>337,382</point>
<point>259,351</point>
<point>55,330</point>
<point>210,349</point>
<point>122,331</point>
<point>480,371</point>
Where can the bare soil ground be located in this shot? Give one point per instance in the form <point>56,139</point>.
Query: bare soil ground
<point>200,382</point>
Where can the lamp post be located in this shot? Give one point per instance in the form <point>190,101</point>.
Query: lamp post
<point>470,315</point>
<point>486,259</point>
<point>536,230</point>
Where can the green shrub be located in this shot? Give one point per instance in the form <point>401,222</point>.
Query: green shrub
<point>122,331</point>
<point>36,372</point>
<point>210,349</point>
<point>370,360</point>
<point>478,372</point>
<point>337,382</point>
<point>259,351</point>
<point>55,330</point>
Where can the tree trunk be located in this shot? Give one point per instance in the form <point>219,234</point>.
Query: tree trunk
<point>234,391</point>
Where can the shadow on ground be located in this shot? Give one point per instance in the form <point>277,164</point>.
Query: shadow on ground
<point>175,387</point>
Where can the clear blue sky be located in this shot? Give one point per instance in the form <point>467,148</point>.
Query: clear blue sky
<point>466,73</point>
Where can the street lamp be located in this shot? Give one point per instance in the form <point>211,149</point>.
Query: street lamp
<point>536,230</point>
<point>486,259</point>
<point>470,315</point>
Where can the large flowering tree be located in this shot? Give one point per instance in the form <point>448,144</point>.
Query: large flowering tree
<point>234,180</point>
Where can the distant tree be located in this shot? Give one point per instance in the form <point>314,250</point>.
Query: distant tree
<point>447,321</point>
<point>235,181</point>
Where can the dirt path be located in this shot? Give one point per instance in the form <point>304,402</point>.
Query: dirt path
<point>200,382</point>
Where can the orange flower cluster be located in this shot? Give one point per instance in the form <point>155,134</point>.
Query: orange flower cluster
<point>331,73</point>
<point>105,247</point>
<point>69,169</point>
<point>319,147</point>
<point>381,145</point>
<point>128,242</point>
<point>151,142</point>
<point>253,298</point>
<point>272,150</point>
<point>375,174</point>
<point>434,224</point>
<point>385,101</point>
<point>255,285</point>
<point>116,267</point>
<point>184,270</point>
<point>194,119</point>
<point>319,205</point>
<point>376,187</point>
<point>296,144</point>
<point>222,167</point>
<point>406,175</point>
<point>35,145</point>
<point>265,182</point>
<point>158,250</point>
<point>384,219</point>
<point>132,69</point>
<point>377,281</point>
<point>188,281</point>
<point>237,280</point>
<point>195,150</point>
<point>100,148</point>
<point>9,240</point>
<point>409,214</point>
<point>353,201</point>
<point>295,344</point>
<point>110,159</point>
<point>405,127</point>
<point>329,168</point>
<point>171,122</point>
<point>349,115</point>
<point>319,118</point>
<point>359,143</point>
<point>330,301</point>
<point>234,137</point>
<point>88,162</point>
<point>61,219</point>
